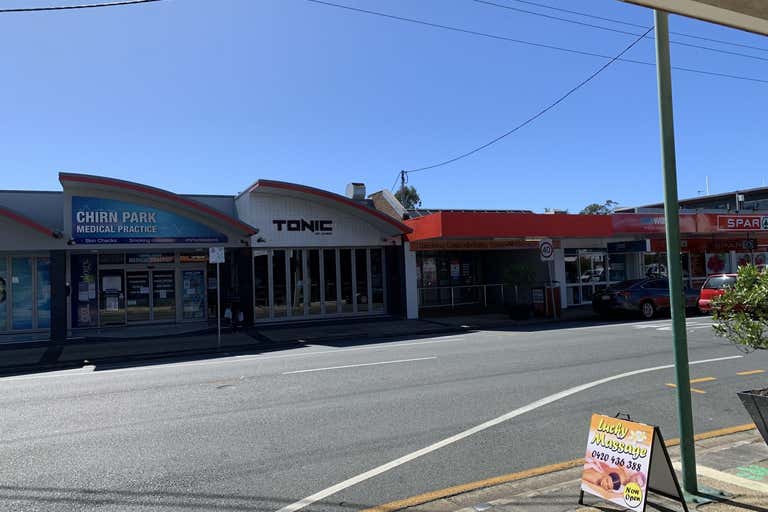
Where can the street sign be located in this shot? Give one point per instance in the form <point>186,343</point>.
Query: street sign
<point>546,250</point>
<point>749,15</point>
<point>216,255</point>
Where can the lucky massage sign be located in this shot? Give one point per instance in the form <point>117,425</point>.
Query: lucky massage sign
<point>98,220</point>
<point>617,461</point>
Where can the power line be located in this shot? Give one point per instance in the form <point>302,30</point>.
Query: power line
<point>80,6</point>
<point>541,112</point>
<point>529,43</point>
<point>638,25</point>
<point>608,29</point>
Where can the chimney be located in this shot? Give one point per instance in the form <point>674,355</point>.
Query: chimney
<point>356,191</point>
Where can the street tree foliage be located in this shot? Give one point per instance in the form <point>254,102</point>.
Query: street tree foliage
<point>740,314</point>
<point>408,197</point>
<point>600,209</point>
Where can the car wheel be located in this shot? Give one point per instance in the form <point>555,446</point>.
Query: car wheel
<point>647,309</point>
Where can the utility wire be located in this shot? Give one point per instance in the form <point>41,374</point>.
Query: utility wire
<point>530,43</point>
<point>638,25</point>
<point>80,6</point>
<point>619,31</point>
<point>539,113</point>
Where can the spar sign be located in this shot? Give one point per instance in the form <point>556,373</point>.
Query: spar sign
<point>742,223</point>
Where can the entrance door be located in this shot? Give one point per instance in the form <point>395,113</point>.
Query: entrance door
<point>163,295</point>
<point>111,298</point>
<point>137,297</point>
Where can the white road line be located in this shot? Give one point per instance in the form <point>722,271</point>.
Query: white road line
<point>474,430</point>
<point>728,478</point>
<point>359,365</point>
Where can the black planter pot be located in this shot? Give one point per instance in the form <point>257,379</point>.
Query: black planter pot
<point>757,407</point>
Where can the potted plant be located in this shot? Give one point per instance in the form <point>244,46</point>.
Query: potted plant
<point>740,315</point>
<point>515,276</point>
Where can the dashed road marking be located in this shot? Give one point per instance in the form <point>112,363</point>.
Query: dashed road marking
<point>750,372</point>
<point>359,365</point>
<point>694,390</point>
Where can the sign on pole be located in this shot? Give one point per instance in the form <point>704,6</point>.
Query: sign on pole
<point>546,250</point>
<point>624,460</point>
<point>750,15</point>
<point>216,255</point>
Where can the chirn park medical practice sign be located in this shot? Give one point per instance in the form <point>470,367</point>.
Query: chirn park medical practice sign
<point>750,15</point>
<point>97,220</point>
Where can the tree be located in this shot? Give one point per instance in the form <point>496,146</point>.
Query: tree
<point>408,197</point>
<point>600,209</point>
<point>740,314</point>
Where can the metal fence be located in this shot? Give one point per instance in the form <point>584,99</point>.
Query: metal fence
<point>483,295</point>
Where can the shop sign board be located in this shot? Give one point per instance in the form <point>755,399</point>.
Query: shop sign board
<point>98,220</point>
<point>629,246</point>
<point>749,15</point>
<point>624,461</point>
<point>742,223</point>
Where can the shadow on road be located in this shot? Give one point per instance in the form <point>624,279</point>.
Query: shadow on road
<point>88,497</point>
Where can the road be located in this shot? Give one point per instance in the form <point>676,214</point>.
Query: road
<point>263,431</point>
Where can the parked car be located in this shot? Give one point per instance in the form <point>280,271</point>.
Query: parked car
<point>714,285</point>
<point>647,297</point>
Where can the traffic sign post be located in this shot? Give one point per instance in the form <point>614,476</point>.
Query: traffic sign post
<point>547,254</point>
<point>216,255</point>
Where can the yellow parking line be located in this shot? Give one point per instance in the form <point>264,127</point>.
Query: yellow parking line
<point>695,390</point>
<point>421,499</point>
<point>750,372</point>
<point>703,379</point>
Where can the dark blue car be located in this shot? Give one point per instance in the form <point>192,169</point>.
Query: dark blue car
<point>644,296</point>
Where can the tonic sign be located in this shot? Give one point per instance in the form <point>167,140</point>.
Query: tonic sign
<point>742,223</point>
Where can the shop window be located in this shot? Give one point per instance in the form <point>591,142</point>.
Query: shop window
<point>572,269</point>
<point>261,284</point>
<point>22,292</point>
<point>4,289</point>
<point>377,280</point>
<point>84,299</point>
<point>296,276</point>
<point>361,273</point>
<point>43,293</point>
<point>313,278</point>
<point>717,263</point>
<point>279,276</point>
<point>345,266</point>
<point>617,267</point>
<point>193,294</point>
<point>329,275</point>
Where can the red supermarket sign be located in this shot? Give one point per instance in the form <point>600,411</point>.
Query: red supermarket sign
<point>742,223</point>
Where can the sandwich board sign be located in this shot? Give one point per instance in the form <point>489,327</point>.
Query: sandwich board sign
<point>624,461</point>
<point>749,15</point>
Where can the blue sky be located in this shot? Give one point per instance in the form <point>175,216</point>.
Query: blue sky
<point>203,96</point>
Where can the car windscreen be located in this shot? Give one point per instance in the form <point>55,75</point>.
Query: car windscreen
<point>720,282</point>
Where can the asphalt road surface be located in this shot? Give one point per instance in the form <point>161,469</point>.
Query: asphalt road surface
<point>264,431</point>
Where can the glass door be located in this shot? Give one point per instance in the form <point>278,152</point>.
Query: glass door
<point>111,298</point>
<point>193,295</point>
<point>163,295</point>
<point>137,296</point>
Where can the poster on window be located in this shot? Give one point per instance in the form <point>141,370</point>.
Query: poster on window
<point>717,263</point>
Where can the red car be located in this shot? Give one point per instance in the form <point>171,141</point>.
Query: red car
<point>714,285</point>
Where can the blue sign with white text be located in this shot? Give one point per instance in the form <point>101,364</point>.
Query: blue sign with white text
<point>97,220</point>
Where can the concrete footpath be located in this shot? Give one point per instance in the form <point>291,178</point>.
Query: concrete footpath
<point>735,462</point>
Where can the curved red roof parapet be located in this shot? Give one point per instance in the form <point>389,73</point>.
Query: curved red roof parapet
<point>26,221</point>
<point>157,192</point>
<point>333,197</point>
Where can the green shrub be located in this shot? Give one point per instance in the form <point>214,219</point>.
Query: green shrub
<point>741,313</point>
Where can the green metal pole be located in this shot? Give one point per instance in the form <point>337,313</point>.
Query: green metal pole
<point>671,213</point>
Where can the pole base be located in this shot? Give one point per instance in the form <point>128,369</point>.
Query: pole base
<point>706,494</point>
